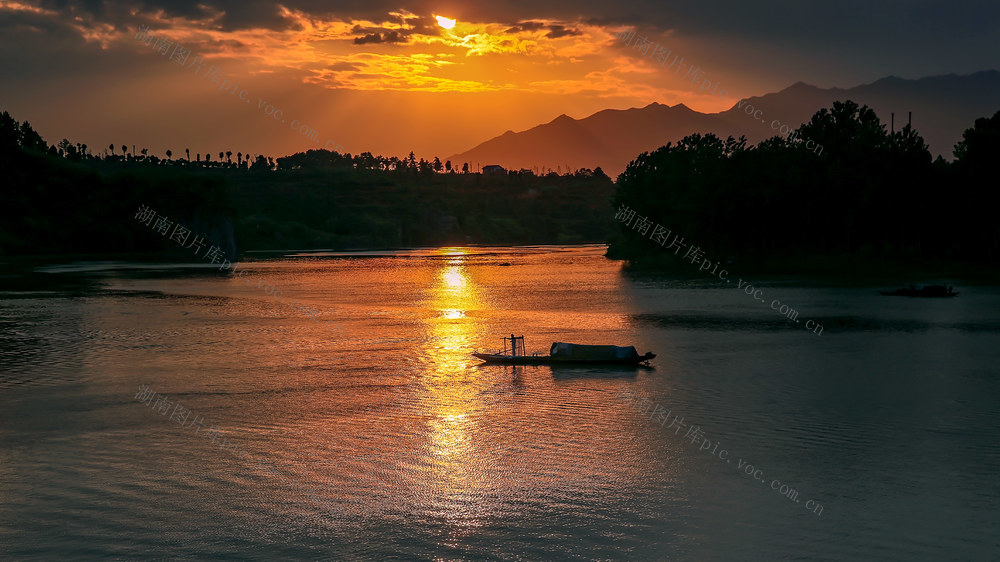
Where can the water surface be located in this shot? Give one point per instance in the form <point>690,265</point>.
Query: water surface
<point>367,431</point>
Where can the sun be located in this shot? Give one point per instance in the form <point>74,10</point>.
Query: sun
<point>445,22</point>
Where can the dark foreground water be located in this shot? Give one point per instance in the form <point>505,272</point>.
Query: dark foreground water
<point>164,412</point>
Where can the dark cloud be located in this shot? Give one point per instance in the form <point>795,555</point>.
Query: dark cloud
<point>888,22</point>
<point>525,26</point>
<point>10,21</point>
<point>557,31</point>
<point>424,25</point>
<point>235,14</point>
<point>246,14</point>
<point>384,37</point>
<point>415,25</point>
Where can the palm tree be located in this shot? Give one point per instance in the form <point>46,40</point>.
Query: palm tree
<point>229,156</point>
<point>112,147</point>
<point>221,154</point>
<point>124,150</point>
<point>239,159</point>
<point>188,152</point>
<point>169,154</point>
<point>144,151</point>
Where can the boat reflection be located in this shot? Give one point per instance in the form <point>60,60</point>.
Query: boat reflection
<point>599,371</point>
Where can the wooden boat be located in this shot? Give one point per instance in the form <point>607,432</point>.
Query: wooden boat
<point>566,354</point>
<point>926,291</point>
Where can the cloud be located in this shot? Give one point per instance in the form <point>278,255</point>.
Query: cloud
<point>525,26</point>
<point>343,65</point>
<point>392,36</point>
<point>494,45</point>
<point>557,31</point>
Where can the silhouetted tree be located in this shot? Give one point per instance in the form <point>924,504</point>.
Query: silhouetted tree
<point>980,145</point>
<point>261,164</point>
<point>977,167</point>
<point>21,135</point>
<point>868,192</point>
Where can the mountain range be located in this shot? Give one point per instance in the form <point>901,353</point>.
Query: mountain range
<point>942,108</point>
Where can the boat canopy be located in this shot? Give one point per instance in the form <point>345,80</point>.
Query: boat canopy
<point>592,352</point>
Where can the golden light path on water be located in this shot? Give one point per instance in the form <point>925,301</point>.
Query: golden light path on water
<point>460,487</point>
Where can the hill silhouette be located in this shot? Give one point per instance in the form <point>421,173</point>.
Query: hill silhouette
<point>942,107</point>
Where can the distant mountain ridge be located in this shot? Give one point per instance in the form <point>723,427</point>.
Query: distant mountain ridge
<point>942,106</point>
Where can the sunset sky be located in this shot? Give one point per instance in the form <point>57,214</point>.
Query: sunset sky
<point>393,77</point>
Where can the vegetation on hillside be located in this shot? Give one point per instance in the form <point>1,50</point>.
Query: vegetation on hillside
<point>871,193</point>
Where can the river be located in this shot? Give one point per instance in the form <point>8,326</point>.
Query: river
<point>166,411</point>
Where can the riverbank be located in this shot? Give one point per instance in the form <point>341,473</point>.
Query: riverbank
<point>838,270</point>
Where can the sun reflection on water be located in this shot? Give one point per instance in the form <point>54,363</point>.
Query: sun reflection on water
<point>458,486</point>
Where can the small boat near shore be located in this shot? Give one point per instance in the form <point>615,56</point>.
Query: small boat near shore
<point>925,291</point>
<point>561,353</point>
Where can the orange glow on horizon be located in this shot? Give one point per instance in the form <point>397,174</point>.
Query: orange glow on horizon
<point>400,52</point>
<point>442,84</point>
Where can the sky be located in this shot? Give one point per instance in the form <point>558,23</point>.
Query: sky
<point>439,77</point>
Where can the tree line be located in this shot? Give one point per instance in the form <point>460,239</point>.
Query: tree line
<point>64,199</point>
<point>21,134</point>
<point>872,193</point>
